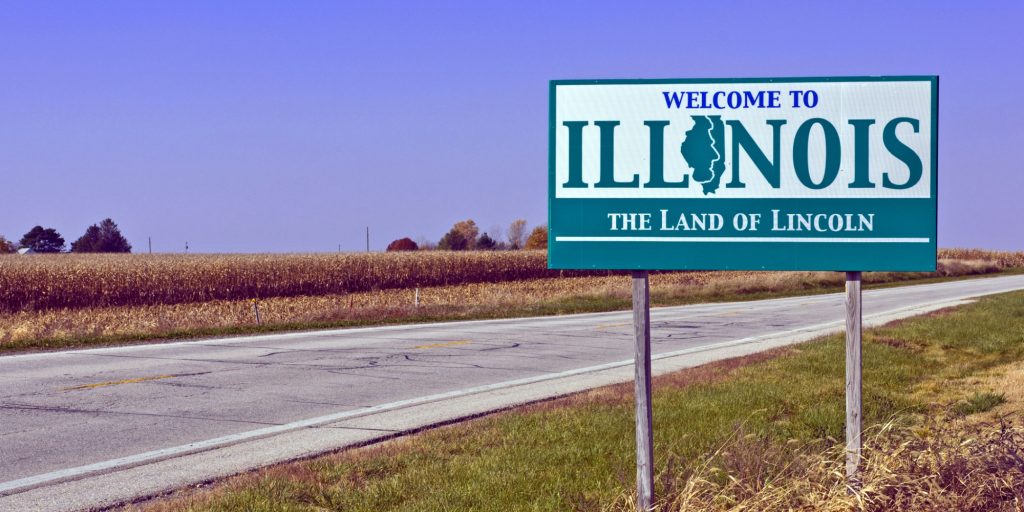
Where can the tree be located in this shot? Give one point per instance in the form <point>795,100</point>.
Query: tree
<point>89,242</point>
<point>104,237</point>
<point>43,240</point>
<point>6,245</point>
<point>538,238</point>
<point>403,244</point>
<point>516,232</point>
<point>453,240</point>
<point>485,243</point>
<point>469,231</point>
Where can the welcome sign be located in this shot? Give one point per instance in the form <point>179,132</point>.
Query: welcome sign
<point>758,174</point>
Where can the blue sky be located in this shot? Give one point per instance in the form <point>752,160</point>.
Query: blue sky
<point>290,126</point>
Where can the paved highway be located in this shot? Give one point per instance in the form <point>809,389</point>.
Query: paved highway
<point>92,427</point>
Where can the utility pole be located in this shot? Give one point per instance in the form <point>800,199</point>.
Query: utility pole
<point>150,244</point>
<point>367,238</point>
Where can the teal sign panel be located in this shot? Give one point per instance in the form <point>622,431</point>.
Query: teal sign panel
<point>826,173</point>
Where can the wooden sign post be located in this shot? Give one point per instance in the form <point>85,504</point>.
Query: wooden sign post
<point>853,377</point>
<point>644,416</point>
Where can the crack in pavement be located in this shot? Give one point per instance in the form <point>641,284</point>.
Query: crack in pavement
<point>98,412</point>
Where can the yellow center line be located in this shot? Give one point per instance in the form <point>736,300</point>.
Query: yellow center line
<point>446,344</point>
<point>117,382</point>
<point>605,326</point>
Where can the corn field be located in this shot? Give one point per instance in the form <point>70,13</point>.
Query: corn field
<point>47,297</point>
<point>1005,259</point>
<point>73,281</point>
<point>43,282</point>
<point>452,301</point>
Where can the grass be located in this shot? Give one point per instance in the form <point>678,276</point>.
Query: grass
<point>979,402</point>
<point>757,433</point>
<point>938,467</point>
<point>80,327</point>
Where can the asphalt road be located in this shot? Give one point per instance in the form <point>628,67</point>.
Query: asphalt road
<point>70,416</point>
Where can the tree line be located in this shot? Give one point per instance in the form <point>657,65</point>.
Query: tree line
<point>465,236</point>
<point>102,237</point>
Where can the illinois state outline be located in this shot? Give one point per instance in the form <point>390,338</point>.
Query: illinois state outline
<point>703,148</point>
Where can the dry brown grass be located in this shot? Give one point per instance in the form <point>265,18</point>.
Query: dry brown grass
<point>945,465</point>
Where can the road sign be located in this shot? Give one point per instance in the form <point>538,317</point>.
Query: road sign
<point>758,174</point>
<point>829,173</point>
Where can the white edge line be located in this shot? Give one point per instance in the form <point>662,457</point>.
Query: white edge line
<point>742,239</point>
<point>14,486</point>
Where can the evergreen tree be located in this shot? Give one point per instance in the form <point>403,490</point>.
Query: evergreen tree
<point>104,237</point>
<point>89,242</point>
<point>43,240</point>
<point>486,243</point>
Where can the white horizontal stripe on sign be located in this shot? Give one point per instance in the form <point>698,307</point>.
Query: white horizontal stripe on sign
<point>738,239</point>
